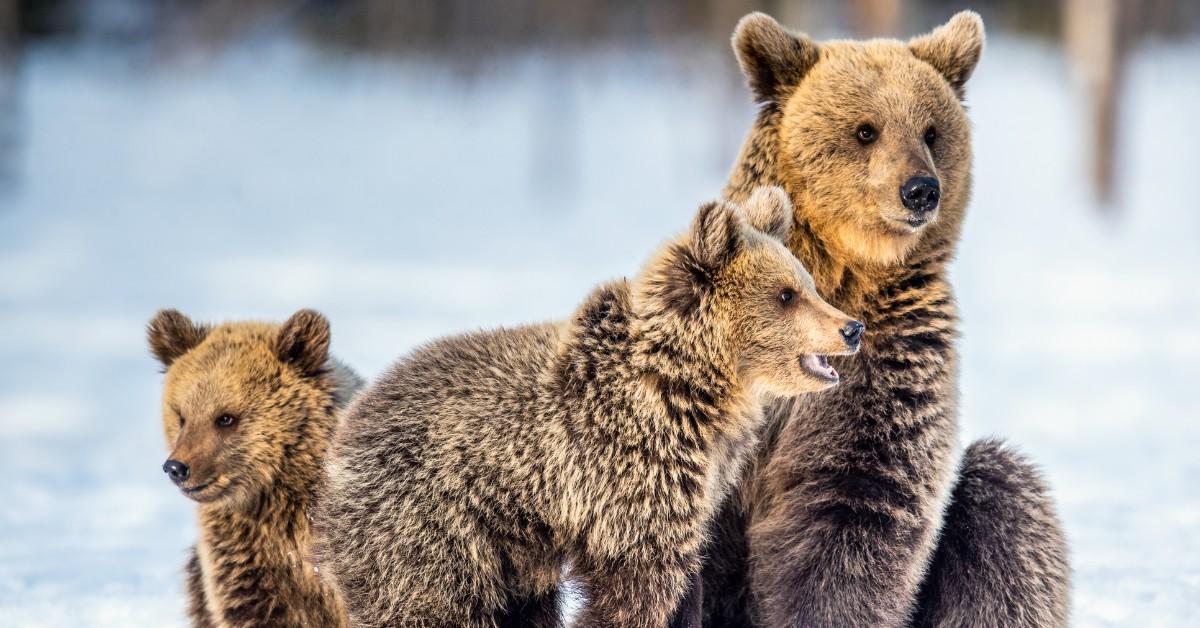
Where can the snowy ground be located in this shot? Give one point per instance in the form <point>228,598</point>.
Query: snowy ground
<point>406,202</point>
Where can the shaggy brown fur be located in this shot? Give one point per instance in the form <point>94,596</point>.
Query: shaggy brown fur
<point>248,410</point>
<point>462,480</point>
<point>1000,548</point>
<point>837,522</point>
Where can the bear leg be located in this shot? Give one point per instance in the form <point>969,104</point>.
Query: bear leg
<point>629,593</point>
<point>1001,559</point>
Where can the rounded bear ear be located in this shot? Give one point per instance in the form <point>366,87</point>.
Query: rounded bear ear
<point>769,209</point>
<point>303,341</point>
<point>953,49</point>
<point>171,334</point>
<point>716,234</point>
<point>679,279</point>
<point>773,58</point>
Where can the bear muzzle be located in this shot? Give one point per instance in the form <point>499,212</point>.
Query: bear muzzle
<point>920,195</point>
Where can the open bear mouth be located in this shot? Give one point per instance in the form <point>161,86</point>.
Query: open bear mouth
<point>818,366</point>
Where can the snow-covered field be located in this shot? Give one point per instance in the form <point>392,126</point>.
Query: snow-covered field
<point>406,202</point>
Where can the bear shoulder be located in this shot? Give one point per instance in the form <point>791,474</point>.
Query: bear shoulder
<point>597,339</point>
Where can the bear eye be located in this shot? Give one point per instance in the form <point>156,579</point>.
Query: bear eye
<point>866,134</point>
<point>180,418</point>
<point>226,420</point>
<point>930,136</point>
<point>786,296</point>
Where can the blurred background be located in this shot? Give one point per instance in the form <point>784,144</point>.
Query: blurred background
<point>416,168</point>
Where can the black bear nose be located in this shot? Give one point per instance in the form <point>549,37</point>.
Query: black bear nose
<point>921,194</point>
<point>176,470</point>
<point>853,333</point>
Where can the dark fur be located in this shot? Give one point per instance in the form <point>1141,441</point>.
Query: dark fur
<point>171,334</point>
<point>848,504</point>
<point>197,604</point>
<point>998,529</point>
<point>837,520</point>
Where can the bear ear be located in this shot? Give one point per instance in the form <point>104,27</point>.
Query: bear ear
<point>953,49</point>
<point>171,334</point>
<point>773,58</point>
<point>769,209</point>
<point>716,235</point>
<point>681,278</point>
<point>303,342</point>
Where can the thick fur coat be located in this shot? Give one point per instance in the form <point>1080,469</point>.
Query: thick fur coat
<point>462,481</point>
<point>248,411</point>
<point>853,514</point>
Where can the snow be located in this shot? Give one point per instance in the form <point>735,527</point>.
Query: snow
<point>406,202</point>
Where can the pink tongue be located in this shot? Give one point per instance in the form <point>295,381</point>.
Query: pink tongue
<point>820,364</point>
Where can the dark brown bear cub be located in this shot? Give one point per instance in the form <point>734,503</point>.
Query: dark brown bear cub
<point>248,410</point>
<point>462,481</point>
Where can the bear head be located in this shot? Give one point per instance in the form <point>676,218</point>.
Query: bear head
<point>870,137</point>
<point>240,401</point>
<point>731,282</point>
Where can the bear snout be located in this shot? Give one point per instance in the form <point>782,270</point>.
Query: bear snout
<point>177,471</point>
<point>921,195</point>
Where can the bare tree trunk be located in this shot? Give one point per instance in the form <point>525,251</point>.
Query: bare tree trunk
<point>10,50</point>
<point>1094,36</point>
<point>875,18</point>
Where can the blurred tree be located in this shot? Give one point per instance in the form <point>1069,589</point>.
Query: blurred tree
<point>1096,37</point>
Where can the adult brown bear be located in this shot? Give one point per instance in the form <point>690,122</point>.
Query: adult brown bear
<point>853,514</point>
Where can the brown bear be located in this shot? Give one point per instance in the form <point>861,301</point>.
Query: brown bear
<point>838,522</point>
<point>462,481</point>
<point>248,411</point>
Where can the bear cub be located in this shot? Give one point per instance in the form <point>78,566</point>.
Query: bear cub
<point>249,410</point>
<point>461,482</point>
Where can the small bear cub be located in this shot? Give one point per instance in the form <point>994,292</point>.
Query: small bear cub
<point>462,481</point>
<point>249,410</point>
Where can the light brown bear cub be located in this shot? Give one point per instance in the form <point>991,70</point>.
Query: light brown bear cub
<point>248,410</point>
<point>462,481</point>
